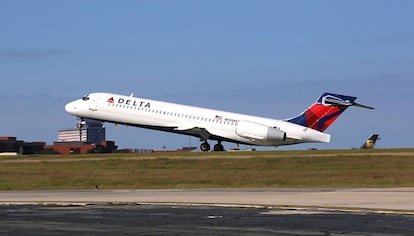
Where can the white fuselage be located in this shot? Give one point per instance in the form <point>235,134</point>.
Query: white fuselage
<point>195,121</point>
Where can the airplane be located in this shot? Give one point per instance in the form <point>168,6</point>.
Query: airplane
<point>209,124</point>
<point>370,143</point>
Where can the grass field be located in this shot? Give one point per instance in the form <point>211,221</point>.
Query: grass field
<point>286,169</point>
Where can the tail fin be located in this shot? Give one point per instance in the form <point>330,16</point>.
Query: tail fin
<point>370,143</point>
<point>325,111</point>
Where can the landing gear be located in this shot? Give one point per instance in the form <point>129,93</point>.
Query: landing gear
<point>205,147</point>
<point>218,147</point>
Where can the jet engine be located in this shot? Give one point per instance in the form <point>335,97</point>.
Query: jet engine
<point>256,131</point>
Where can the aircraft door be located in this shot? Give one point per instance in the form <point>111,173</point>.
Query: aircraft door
<point>93,106</point>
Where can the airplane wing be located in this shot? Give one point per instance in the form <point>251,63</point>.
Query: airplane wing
<point>204,133</point>
<point>194,130</point>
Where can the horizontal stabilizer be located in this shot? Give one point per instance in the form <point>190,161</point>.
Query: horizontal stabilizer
<point>362,106</point>
<point>339,102</point>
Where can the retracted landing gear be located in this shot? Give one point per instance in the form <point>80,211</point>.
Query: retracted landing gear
<point>205,147</point>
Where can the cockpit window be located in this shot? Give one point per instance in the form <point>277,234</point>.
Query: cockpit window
<point>86,97</point>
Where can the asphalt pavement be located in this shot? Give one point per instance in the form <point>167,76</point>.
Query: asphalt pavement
<point>133,219</point>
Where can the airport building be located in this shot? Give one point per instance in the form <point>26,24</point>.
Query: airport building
<point>12,146</point>
<point>82,147</point>
<point>88,136</point>
<point>88,131</point>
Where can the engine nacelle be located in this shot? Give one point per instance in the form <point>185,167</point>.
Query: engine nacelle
<point>252,130</point>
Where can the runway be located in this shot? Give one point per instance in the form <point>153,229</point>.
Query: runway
<point>132,219</point>
<point>376,199</point>
<point>365,211</point>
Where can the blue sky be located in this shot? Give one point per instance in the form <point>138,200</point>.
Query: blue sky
<point>267,58</point>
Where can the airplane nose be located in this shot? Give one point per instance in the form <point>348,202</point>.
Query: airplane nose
<point>70,107</point>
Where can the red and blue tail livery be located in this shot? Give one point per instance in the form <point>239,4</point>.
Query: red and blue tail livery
<point>325,111</point>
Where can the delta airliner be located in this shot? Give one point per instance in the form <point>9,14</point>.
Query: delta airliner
<point>209,124</point>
